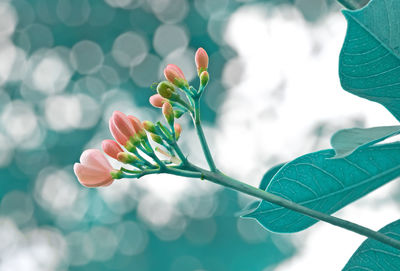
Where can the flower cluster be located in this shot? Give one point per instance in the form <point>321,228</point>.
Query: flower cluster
<point>131,145</point>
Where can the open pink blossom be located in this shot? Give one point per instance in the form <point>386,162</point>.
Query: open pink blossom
<point>121,127</point>
<point>111,148</point>
<point>94,169</point>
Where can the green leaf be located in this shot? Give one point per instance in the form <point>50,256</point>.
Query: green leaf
<point>369,63</point>
<point>326,185</point>
<point>374,255</point>
<point>346,141</point>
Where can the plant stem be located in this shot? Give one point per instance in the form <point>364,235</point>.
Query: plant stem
<point>202,138</point>
<point>219,178</point>
<point>353,4</point>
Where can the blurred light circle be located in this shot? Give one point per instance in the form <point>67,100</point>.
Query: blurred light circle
<point>90,112</point>
<point>174,12</point>
<point>154,211</point>
<point>101,14</point>
<point>90,85</point>
<point>4,99</point>
<point>110,75</point>
<point>31,161</point>
<point>8,55</point>
<point>171,231</point>
<point>63,112</point>
<point>200,207</point>
<point>214,97</point>
<point>145,74</point>
<point>184,58</point>
<point>133,239</point>
<point>201,232</point>
<point>39,36</point>
<point>122,72</point>
<point>73,12</point>
<point>46,11</point>
<point>168,38</point>
<point>47,246</point>
<point>56,190</point>
<point>19,121</point>
<point>80,248</point>
<point>117,197</point>
<point>233,72</point>
<point>105,243</point>
<point>251,231</point>
<point>19,66</point>
<point>216,28</point>
<point>127,4</point>
<point>129,49</point>
<point>10,237</point>
<point>18,206</point>
<point>8,19</point>
<point>86,57</point>
<point>25,11</point>
<point>51,75</point>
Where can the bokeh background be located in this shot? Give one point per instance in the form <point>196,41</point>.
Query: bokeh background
<point>274,94</point>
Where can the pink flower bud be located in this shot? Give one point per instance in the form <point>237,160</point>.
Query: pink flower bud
<point>201,59</point>
<point>178,130</point>
<point>121,127</point>
<point>157,100</point>
<point>168,113</point>
<point>111,148</point>
<point>175,75</point>
<point>138,126</point>
<point>94,169</point>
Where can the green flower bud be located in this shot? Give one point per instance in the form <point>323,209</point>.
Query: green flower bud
<point>149,126</point>
<point>116,174</point>
<point>165,89</point>
<point>156,138</point>
<point>204,77</point>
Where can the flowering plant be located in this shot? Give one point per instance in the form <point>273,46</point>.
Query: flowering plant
<point>296,194</point>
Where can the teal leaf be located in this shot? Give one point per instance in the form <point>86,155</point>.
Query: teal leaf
<point>374,255</point>
<point>346,141</point>
<point>326,185</point>
<point>266,179</point>
<point>263,185</point>
<point>369,62</point>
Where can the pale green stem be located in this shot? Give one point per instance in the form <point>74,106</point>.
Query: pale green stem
<point>219,178</point>
<point>202,138</point>
<point>143,159</point>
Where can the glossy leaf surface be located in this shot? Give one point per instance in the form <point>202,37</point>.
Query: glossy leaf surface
<point>369,63</point>
<point>326,185</point>
<point>347,141</point>
<point>374,255</point>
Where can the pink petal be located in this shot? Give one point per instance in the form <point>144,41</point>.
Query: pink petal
<point>123,124</point>
<point>157,100</point>
<point>111,148</point>
<point>92,177</point>
<point>121,139</point>
<point>95,159</point>
<point>136,123</point>
<point>201,59</point>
